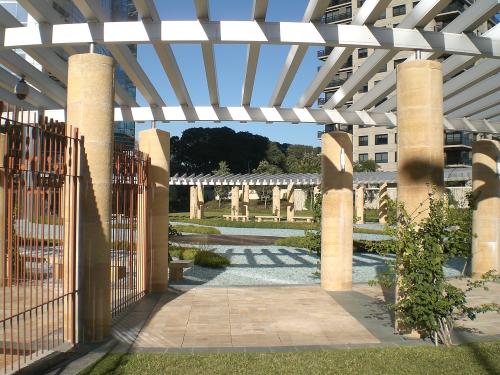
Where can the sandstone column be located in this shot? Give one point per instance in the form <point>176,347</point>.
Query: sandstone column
<point>382,203</point>
<point>235,201</point>
<point>200,201</point>
<point>290,204</point>
<point>420,134</point>
<point>156,143</point>
<point>193,202</point>
<point>277,201</point>
<point>90,108</point>
<point>360,204</point>
<point>246,199</point>
<point>486,214</point>
<point>336,211</point>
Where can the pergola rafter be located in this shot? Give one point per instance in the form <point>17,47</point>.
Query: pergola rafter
<point>471,93</point>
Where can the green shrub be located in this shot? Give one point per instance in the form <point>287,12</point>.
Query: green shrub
<point>204,258</point>
<point>195,229</point>
<point>207,258</point>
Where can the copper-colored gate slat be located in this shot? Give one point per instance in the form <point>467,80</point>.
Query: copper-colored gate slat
<point>128,249</point>
<point>39,178</point>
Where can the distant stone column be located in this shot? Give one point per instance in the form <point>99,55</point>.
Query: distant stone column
<point>200,212</point>
<point>235,201</point>
<point>246,199</point>
<point>360,204</point>
<point>156,143</point>
<point>486,213</point>
<point>420,134</point>
<point>193,202</point>
<point>90,106</point>
<point>382,203</point>
<point>316,192</point>
<point>336,211</point>
<point>276,201</point>
<point>290,204</point>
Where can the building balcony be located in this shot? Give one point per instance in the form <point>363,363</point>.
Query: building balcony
<point>457,140</point>
<point>336,17</point>
<point>334,3</point>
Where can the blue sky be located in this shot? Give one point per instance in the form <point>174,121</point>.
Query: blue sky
<point>231,62</point>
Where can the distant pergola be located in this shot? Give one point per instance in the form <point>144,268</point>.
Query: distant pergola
<point>472,99</point>
<point>302,179</point>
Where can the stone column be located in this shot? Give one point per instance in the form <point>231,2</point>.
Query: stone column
<point>276,201</point>
<point>193,202</point>
<point>290,204</point>
<point>360,204</point>
<point>200,202</point>
<point>382,203</point>
<point>235,201</point>
<point>90,109</point>
<point>486,214</point>
<point>156,143</point>
<point>246,199</point>
<point>4,272</point>
<point>420,134</point>
<point>336,211</point>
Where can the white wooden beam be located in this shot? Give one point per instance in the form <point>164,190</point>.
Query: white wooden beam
<point>477,105</point>
<point>471,94</point>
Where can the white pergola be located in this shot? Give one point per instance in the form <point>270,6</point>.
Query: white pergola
<point>301,179</point>
<point>471,72</point>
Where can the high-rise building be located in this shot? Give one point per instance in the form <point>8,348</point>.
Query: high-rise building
<point>117,10</point>
<point>380,143</point>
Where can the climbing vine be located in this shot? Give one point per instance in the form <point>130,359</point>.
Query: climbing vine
<point>427,302</point>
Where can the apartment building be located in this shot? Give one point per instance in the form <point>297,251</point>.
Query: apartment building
<point>118,10</point>
<point>380,143</point>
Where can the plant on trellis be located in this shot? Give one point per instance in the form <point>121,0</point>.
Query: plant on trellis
<point>426,301</point>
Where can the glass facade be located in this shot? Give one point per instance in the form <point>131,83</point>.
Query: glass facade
<point>117,10</point>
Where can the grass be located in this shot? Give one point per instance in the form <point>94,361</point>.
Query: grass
<point>201,257</point>
<point>477,358</point>
<point>196,229</point>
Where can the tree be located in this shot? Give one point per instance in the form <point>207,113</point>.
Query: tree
<point>309,162</point>
<point>266,190</point>
<point>365,166</point>
<point>222,170</point>
<point>274,155</point>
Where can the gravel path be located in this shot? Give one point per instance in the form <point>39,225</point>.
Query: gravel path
<point>281,265</point>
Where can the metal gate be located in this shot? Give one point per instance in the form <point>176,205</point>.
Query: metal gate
<point>38,191</point>
<point>129,228</point>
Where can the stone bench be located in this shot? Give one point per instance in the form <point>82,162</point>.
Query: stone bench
<point>267,218</point>
<point>235,217</point>
<point>176,269</point>
<point>308,219</point>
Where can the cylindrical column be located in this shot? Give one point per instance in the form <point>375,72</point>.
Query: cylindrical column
<point>290,203</point>
<point>235,201</point>
<point>420,134</point>
<point>246,199</point>
<point>200,201</point>
<point>486,214</point>
<point>276,201</point>
<point>193,202</point>
<point>336,211</point>
<point>90,108</point>
<point>382,203</point>
<point>360,204</point>
<point>156,143</point>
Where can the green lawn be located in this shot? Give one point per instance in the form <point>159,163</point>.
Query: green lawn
<point>195,229</point>
<point>480,358</point>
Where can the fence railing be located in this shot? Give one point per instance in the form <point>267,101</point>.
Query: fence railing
<point>38,190</point>
<point>129,228</point>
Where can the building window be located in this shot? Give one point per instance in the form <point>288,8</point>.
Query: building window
<point>382,16</point>
<point>364,88</point>
<point>381,139</point>
<point>383,68</point>
<point>362,53</point>
<point>363,157</point>
<point>381,157</point>
<point>363,140</point>
<point>399,10</point>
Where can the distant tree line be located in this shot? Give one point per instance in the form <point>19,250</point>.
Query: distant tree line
<point>201,150</point>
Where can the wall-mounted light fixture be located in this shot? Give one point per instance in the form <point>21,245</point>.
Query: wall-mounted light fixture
<point>21,89</point>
